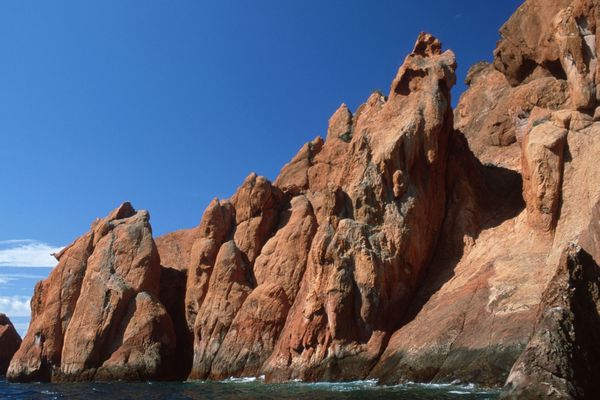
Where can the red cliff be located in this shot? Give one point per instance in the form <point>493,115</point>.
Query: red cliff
<point>413,243</point>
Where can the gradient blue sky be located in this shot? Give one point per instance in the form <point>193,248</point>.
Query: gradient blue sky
<point>170,103</point>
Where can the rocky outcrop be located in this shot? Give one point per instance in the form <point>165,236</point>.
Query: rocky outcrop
<point>278,272</point>
<point>349,199</point>
<point>559,360</point>
<point>363,265</point>
<point>470,318</point>
<point>175,248</point>
<point>414,243</point>
<point>9,343</point>
<point>228,288</point>
<point>527,50</point>
<point>52,307</point>
<point>556,38</point>
<point>542,157</point>
<point>494,116</point>
<point>98,315</point>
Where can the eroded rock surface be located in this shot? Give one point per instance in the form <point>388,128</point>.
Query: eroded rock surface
<point>494,116</point>
<point>542,157</point>
<point>98,315</point>
<point>276,272</point>
<point>559,360</point>
<point>414,243</point>
<point>175,248</point>
<point>373,179</point>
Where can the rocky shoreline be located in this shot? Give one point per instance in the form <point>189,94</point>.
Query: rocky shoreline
<point>414,243</point>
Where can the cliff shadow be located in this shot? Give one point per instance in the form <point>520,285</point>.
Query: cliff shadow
<point>479,197</point>
<point>172,296</point>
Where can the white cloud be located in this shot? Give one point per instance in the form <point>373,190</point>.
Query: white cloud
<point>5,278</point>
<point>15,306</point>
<point>27,253</point>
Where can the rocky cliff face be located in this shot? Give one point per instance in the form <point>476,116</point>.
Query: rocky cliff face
<point>306,278</point>
<point>559,360</point>
<point>9,343</point>
<point>98,315</point>
<point>413,243</point>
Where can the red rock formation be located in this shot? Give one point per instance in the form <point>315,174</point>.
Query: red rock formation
<point>559,360</point>
<point>527,50</point>
<point>459,326</point>
<point>175,248</point>
<point>212,301</point>
<point>278,272</point>
<point>413,243</point>
<point>98,316</point>
<point>176,251</point>
<point>553,38</point>
<point>52,307</point>
<point>228,288</point>
<point>363,265</point>
<point>542,157</point>
<point>9,343</point>
<point>292,263</point>
<point>493,115</point>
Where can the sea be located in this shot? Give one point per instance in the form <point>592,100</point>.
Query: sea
<point>238,389</point>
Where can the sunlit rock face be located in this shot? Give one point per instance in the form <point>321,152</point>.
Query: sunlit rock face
<point>98,315</point>
<point>306,278</point>
<point>413,243</point>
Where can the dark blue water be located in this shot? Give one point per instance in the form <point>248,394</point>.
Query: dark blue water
<point>238,389</point>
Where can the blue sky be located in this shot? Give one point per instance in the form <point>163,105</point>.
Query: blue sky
<point>169,103</point>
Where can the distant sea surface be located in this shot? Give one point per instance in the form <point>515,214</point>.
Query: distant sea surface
<point>238,389</point>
